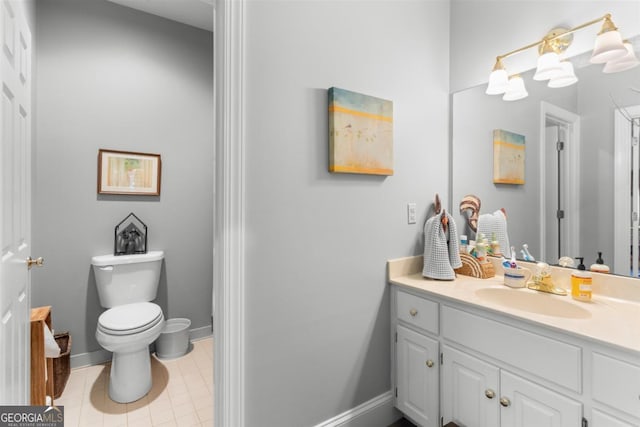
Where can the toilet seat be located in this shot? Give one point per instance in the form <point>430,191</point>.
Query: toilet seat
<point>130,319</point>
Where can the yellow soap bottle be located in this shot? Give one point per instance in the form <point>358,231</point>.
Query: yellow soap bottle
<point>581,283</point>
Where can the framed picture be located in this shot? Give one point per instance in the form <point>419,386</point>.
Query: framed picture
<point>360,133</point>
<point>126,172</point>
<point>508,157</point>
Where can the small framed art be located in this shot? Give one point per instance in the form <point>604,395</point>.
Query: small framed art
<point>127,172</point>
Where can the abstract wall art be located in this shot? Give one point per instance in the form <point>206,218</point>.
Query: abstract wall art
<point>360,133</point>
<point>508,157</point>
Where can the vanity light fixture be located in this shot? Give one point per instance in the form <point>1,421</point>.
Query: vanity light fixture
<point>609,48</point>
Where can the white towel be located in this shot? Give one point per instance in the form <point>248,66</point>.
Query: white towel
<point>496,223</point>
<point>441,250</point>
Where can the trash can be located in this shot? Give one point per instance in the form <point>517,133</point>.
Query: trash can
<point>174,339</point>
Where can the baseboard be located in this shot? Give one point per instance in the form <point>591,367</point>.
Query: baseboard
<point>102,356</point>
<point>378,412</point>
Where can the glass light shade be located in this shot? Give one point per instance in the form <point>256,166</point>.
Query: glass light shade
<point>516,89</point>
<point>548,66</point>
<point>624,63</point>
<point>498,82</point>
<point>566,78</point>
<point>608,47</point>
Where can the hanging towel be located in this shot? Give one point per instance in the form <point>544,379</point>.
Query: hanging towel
<point>441,249</point>
<point>496,223</point>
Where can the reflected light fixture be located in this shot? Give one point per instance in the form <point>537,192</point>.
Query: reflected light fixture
<point>515,89</point>
<point>609,48</point>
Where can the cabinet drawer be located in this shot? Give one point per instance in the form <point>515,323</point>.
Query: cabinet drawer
<point>616,383</point>
<point>552,360</point>
<point>417,311</point>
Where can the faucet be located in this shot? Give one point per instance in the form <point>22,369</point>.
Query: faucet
<point>542,281</point>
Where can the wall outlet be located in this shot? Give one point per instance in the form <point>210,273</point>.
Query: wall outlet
<point>411,213</point>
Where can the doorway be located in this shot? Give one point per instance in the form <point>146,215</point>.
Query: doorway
<point>559,183</point>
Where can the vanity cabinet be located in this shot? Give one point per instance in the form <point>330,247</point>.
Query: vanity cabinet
<point>476,393</point>
<point>417,376</point>
<point>487,368</point>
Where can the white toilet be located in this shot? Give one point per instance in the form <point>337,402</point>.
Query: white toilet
<point>126,286</point>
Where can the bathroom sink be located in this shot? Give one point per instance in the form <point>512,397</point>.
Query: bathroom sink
<point>533,302</point>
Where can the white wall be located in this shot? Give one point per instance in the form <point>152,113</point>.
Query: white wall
<point>317,302</point>
<point>111,77</point>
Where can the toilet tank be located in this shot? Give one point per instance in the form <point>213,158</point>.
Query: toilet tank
<point>127,279</point>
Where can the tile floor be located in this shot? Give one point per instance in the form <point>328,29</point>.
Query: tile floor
<point>181,396</point>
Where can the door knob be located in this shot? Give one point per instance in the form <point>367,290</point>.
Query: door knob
<point>489,393</point>
<point>38,262</point>
<point>504,401</point>
<point>413,312</point>
<point>429,363</point>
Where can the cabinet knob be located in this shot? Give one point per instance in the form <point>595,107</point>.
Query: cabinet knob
<point>413,312</point>
<point>505,402</point>
<point>490,393</point>
<point>430,363</point>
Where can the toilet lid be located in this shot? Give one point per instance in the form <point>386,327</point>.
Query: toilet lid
<point>130,318</point>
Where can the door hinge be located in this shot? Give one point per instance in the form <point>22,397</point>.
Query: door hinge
<point>441,359</point>
<point>634,216</point>
<point>441,421</point>
<point>396,391</point>
<point>560,214</point>
<point>585,423</point>
<point>634,141</point>
<point>396,337</point>
<point>560,145</point>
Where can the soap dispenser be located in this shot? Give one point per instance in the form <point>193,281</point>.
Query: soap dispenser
<point>581,282</point>
<point>599,266</point>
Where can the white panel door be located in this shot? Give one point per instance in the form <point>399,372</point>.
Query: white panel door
<point>470,390</point>
<point>417,360</point>
<point>525,404</point>
<point>15,196</point>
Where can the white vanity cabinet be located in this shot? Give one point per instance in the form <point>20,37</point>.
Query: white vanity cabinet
<point>417,376</point>
<point>476,393</point>
<point>482,362</point>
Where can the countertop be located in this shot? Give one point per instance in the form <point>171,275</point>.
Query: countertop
<point>608,320</point>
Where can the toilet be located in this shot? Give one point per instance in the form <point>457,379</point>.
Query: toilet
<point>126,286</point>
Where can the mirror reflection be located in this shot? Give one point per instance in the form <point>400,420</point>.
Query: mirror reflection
<point>577,199</point>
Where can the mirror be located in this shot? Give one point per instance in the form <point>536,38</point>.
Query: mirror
<point>580,180</point>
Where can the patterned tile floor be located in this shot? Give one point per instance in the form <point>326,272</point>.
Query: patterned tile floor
<point>181,396</point>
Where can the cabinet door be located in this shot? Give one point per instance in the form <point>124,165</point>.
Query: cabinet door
<point>417,377</point>
<point>525,404</point>
<point>600,419</point>
<point>470,390</point>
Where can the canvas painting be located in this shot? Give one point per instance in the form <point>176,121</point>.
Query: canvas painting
<point>508,157</point>
<point>360,133</point>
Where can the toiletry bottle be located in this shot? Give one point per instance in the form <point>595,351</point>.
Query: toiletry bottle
<point>599,266</point>
<point>581,282</point>
<point>464,242</point>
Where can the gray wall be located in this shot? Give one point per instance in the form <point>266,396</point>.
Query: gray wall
<point>112,77</point>
<point>317,302</point>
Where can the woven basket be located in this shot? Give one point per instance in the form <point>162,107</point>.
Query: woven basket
<point>471,267</point>
<point>62,364</point>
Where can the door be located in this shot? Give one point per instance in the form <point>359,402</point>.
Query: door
<point>470,390</point>
<point>525,404</point>
<point>15,196</point>
<point>417,377</point>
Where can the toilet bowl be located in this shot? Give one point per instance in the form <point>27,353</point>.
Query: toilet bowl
<point>127,331</point>
<point>126,286</point>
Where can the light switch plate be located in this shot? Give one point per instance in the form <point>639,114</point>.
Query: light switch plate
<point>411,213</point>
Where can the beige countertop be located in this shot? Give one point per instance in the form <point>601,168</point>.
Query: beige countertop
<point>607,319</point>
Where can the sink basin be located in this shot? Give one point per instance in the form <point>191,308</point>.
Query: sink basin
<point>533,302</point>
